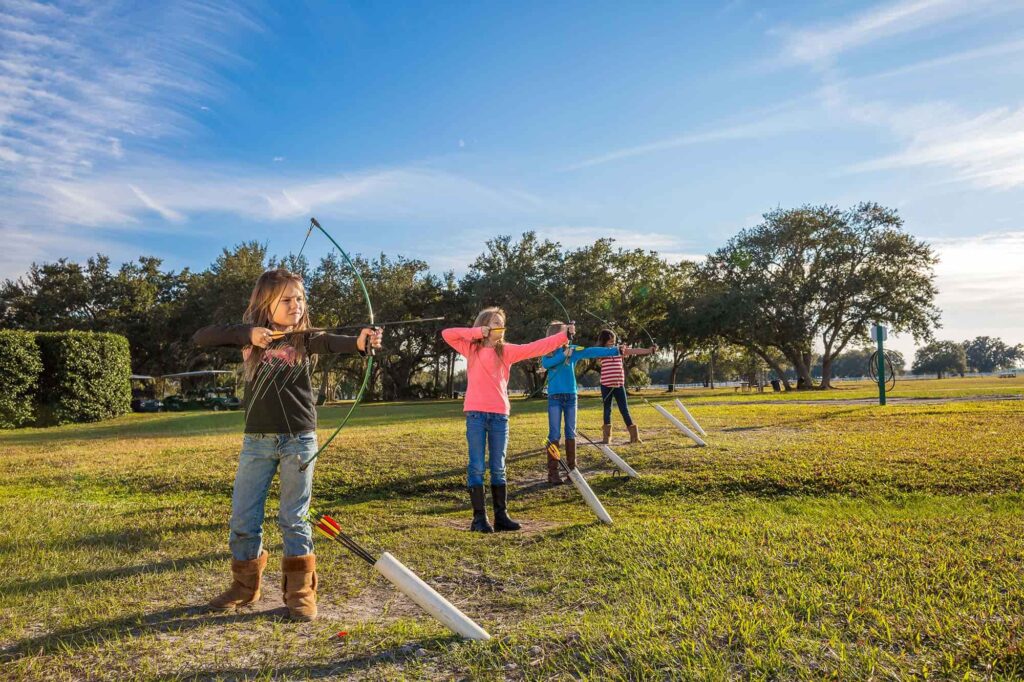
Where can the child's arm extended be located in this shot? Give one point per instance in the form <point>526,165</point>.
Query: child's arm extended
<point>639,351</point>
<point>226,335</point>
<point>514,352</point>
<point>596,352</point>
<point>461,338</point>
<point>553,360</point>
<point>334,343</point>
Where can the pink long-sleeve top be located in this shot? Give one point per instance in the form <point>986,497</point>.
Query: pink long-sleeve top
<point>487,374</point>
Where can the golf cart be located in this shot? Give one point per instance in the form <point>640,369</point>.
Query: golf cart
<point>198,393</point>
<point>144,394</point>
<point>222,398</point>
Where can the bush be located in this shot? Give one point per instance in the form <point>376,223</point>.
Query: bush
<point>20,367</point>
<point>86,378</point>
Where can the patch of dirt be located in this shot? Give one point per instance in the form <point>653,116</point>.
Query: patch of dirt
<point>378,603</point>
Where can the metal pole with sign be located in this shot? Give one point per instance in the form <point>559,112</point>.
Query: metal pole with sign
<point>879,334</point>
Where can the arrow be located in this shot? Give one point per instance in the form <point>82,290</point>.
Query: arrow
<point>312,330</point>
<point>407,582</point>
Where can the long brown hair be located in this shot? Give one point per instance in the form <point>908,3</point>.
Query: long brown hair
<point>260,312</point>
<point>554,326</point>
<point>484,317</point>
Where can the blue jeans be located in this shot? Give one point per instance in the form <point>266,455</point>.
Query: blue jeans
<point>486,430</point>
<point>261,455</point>
<point>560,404</point>
<point>619,393</point>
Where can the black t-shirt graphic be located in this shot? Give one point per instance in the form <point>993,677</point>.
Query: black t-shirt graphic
<point>279,398</point>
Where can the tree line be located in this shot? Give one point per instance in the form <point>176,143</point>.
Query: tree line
<point>793,296</point>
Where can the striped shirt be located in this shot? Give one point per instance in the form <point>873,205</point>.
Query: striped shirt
<point>612,374</point>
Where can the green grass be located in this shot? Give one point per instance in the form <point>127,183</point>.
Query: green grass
<point>810,540</point>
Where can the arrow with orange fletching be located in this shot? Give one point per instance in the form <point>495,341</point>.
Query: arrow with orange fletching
<point>402,578</point>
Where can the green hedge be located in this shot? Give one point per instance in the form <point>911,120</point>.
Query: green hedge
<point>20,367</point>
<point>86,377</point>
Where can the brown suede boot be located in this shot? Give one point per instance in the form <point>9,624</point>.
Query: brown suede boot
<point>634,434</point>
<point>606,433</point>
<point>570,454</point>
<point>553,477</point>
<point>245,584</point>
<point>298,582</point>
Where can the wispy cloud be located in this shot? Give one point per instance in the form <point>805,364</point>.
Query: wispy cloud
<point>1002,49</point>
<point>821,44</point>
<point>166,213</point>
<point>985,150</point>
<point>130,195</point>
<point>576,236</point>
<point>81,82</point>
<point>773,120</point>
<point>89,95</point>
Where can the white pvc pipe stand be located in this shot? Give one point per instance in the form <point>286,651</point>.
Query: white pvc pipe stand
<point>689,417</point>
<point>617,461</point>
<point>588,495</point>
<point>679,425</point>
<point>429,600</point>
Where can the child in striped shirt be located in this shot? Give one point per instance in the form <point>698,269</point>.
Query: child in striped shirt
<point>613,380</point>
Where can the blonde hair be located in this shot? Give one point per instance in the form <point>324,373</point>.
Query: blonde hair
<point>260,312</point>
<point>484,317</point>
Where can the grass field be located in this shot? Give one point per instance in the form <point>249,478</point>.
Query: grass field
<point>816,537</point>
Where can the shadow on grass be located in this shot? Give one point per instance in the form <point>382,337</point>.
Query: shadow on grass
<point>434,483</point>
<point>128,540</point>
<point>197,423</point>
<point>176,620</point>
<point>314,671</point>
<point>86,577</point>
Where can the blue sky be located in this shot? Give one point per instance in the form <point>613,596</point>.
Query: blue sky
<point>426,128</point>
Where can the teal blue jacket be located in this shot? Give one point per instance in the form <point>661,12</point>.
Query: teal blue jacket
<point>562,372</point>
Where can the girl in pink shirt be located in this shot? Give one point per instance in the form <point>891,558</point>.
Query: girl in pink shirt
<point>489,360</point>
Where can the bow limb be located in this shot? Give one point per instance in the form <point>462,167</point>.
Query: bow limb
<point>369,352</point>
<point>568,317</point>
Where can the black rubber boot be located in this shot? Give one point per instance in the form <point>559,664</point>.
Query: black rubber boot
<point>499,495</point>
<point>480,522</point>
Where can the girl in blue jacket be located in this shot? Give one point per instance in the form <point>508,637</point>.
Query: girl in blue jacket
<point>561,367</point>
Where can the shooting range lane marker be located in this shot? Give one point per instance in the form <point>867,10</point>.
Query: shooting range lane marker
<point>409,584</point>
<point>588,496</point>
<point>689,417</point>
<point>581,485</point>
<point>679,425</point>
<point>404,580</point>
<point>611,455</point>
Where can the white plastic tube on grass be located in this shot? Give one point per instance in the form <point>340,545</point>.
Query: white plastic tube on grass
<point>689,417</point>
<point>588,495</point>
<point>617,461</point>
<point>679,425</point>
<point>428,599</point>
